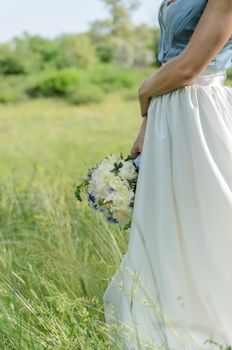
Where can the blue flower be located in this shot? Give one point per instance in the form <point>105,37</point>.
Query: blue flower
<point>113,220</point>
<point>110,189</point>
<point>91,197</point>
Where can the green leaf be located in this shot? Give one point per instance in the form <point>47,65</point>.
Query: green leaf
<point>129,157</point>
<point>127,226</point>
<point>79,190</point>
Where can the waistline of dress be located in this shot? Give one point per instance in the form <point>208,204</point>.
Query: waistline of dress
<point>210,77</point>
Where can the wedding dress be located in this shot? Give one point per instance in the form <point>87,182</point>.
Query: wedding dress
<point>173,288</point>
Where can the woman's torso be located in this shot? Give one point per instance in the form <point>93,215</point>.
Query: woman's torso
<point>177,23</point>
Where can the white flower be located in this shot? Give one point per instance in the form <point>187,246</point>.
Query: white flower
<point>123,197</point>
<point>108,163</point>
<point>116,183</point>
<point>128,171</point>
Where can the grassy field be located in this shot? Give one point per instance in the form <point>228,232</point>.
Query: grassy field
<point>56,256</point>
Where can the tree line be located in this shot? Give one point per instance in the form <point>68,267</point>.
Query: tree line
<point>111,40</point>
<point>82,68</point>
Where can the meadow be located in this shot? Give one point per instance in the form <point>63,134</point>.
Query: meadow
<point>57,256</point>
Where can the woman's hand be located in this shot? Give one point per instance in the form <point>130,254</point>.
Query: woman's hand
<point>144,100</point>
<point>138,144</point>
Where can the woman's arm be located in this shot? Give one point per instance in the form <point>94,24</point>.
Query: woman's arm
<point>212,32</point>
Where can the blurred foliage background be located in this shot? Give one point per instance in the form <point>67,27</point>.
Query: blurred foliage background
<point>80,67</point>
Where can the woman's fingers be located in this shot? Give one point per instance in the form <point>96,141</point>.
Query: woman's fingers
<point>134,150</point>
<point>137,147</point>
<point>138,144</point>
<point>140,147</point>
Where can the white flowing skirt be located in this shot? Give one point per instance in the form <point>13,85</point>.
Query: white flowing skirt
<point>173,289</point>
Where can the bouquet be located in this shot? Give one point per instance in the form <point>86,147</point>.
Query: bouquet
<point>110,188</point>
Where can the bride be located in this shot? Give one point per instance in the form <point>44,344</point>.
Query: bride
<point>173,288</point>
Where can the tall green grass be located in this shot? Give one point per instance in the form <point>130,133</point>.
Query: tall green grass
<point>56,256</point>
<point>53,255</point>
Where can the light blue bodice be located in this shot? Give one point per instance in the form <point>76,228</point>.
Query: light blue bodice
<point>177,24</point>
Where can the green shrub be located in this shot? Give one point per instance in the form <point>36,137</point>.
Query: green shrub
<point>112,78</point>
<point>85,94</point>
<point>104,53</point>
<point>58,83</point>
<point>11,65</point>
<point>18,62</point>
